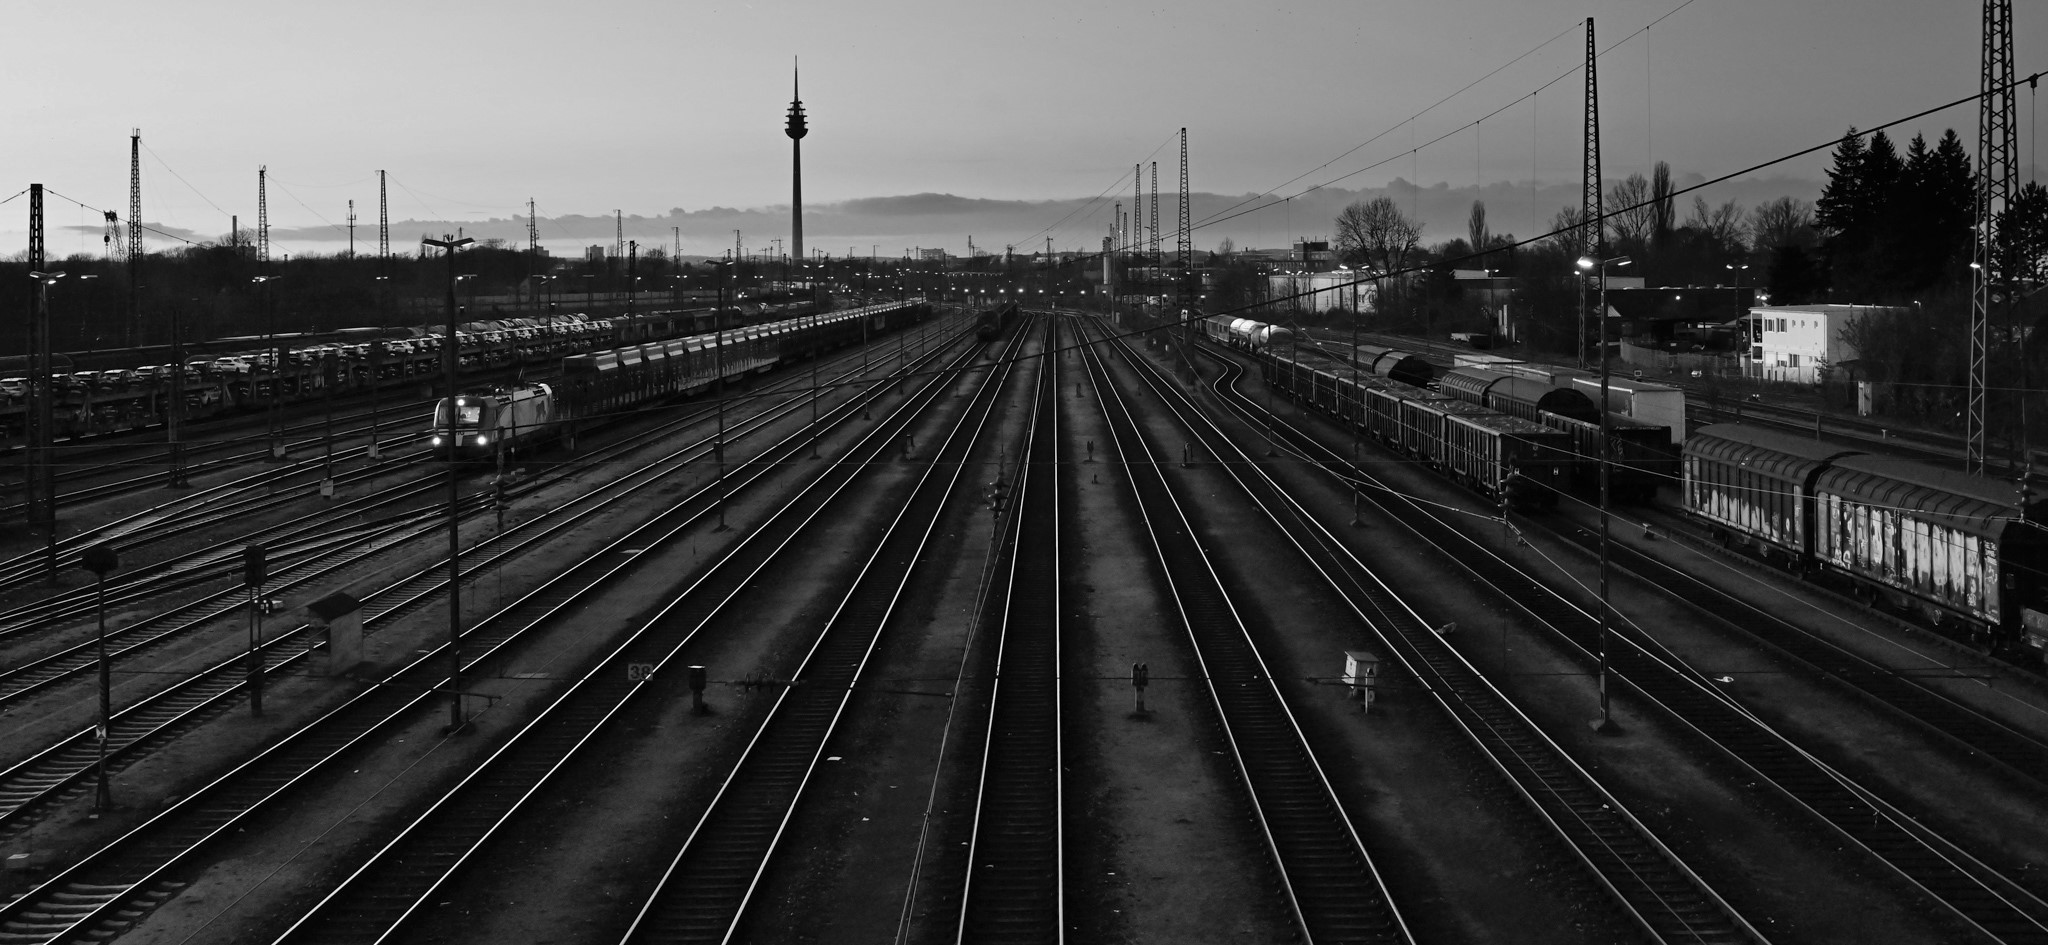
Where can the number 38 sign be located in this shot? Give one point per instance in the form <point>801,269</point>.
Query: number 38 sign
<point>639,672</point>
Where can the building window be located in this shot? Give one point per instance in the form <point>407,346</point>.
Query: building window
<point>1792,360</point>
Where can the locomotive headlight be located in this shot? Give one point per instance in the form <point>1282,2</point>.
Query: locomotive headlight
<point>437,441</point>
<point>481,439</point>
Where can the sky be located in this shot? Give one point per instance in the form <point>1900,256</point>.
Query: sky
<point>672,113</point>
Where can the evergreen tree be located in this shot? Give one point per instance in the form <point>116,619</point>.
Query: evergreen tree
<point>2023,231</point>
<point>1841,201</point>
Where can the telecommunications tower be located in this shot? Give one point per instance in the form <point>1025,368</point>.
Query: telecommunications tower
<point>796,130</point>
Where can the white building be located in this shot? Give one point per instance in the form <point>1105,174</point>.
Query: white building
<point>1794,342</point>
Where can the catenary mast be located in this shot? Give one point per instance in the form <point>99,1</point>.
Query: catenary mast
<point>1991,264</point>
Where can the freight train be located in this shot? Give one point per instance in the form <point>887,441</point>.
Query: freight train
<point>480,424</point>
<point>991,323</point>
<point>1963,553</point>
<point>1507,458</point>
<point>244,373</point>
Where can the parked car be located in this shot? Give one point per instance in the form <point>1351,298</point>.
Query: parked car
<point>14,388</point>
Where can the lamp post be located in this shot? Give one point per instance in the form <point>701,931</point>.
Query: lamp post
<point>276,364</point>
<point>718,370</point>
<point>101,560</point>
<point>1605,723</point>
<point>44,393</point>
<point>450,361</point>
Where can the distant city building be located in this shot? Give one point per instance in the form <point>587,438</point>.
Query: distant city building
<point>932,255</point>
<point>594,253</point>
<point>1796,342</point>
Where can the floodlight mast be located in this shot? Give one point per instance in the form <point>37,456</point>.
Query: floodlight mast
<point>450,360</point>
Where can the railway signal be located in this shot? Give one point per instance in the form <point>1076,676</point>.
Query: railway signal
<point>255,570</point>
<point>101,560</point>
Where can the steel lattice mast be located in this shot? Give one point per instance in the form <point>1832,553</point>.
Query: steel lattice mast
<point>1187,230</point>
<point>1153,249</point>
<point>1592,220</point>
<point>134,235</point>
<point>1991,264</point>
<point>263,216</point>
<point>1134,235</point>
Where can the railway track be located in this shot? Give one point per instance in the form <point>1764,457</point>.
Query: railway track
<point>1326,875</point>
<point>1972,733</point>
<point>1016,881</point>
<point>106,891</point>
<point>147,723</point>
<point>1976,893</point>
<point>77,467</point>
<point>1647,880</point>
<point>706,890</point>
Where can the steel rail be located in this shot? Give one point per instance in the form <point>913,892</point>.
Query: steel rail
<point>1648,881</point>
<point>1975,892</point>
<point>131,874</point>
<point>1326,875</point>
<point>705,891</point>
<point>378,900</point>
<point>1014,887</point>
<point>147,722</point>
<point>1974,734</point>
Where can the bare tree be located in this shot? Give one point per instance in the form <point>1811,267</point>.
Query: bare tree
<point>1565,238</point>
<point>1662,216</point>
<point>1723,225</point>
<point>1631,215</point>
<point>1786,221</point>
<point>1377,234</point>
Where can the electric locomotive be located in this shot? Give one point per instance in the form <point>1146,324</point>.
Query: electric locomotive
<point>477,425</point>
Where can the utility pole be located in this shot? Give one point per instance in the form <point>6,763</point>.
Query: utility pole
<point>351,228</point>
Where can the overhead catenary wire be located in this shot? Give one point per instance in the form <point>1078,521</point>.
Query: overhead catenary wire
<point>1230,212</point>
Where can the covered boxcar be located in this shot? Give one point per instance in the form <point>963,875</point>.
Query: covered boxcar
<point>1954,547</point>
<point>1402,367</point>
<point>1752,487</point>
<point>1523,397</point>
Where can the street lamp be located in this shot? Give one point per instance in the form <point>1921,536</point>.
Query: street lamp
<point>450,359</point>
<point>718,370</point>
<point>276,365</point>
<point>1605,723</point>
<point>44,438</point>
